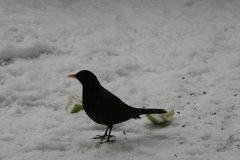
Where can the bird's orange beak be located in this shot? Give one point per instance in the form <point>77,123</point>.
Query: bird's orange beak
<point>72,75</point>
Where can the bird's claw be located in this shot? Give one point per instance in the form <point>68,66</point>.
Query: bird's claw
<point>108,141</point>
<point>102,137</point>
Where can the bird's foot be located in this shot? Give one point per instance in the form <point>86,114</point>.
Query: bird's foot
<point>108,141</point>
<point>102,137</point>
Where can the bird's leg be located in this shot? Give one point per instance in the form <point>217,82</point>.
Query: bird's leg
<point>102,137</point>
<point>109,136</point>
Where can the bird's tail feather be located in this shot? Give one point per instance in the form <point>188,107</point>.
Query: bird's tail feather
<point>151,111</point>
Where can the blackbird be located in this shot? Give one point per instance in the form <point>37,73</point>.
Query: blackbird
<point>105,108</point>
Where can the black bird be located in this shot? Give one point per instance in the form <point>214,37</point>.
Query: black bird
<point>105,108</point>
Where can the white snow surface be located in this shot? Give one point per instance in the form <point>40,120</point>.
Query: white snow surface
<point>181,54</point>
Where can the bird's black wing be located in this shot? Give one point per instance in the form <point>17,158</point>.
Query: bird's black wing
<point>114,108</point>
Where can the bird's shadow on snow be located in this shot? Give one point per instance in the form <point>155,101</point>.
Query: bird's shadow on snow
<point>126,141</point>
<point>133,142</point>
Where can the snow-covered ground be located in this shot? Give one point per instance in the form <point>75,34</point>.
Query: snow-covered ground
<point>181,54</point>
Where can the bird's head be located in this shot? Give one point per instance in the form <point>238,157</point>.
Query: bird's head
<point>85,77</point>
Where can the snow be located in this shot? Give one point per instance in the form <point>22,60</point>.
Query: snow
<point>181,54</point>
<point>11,52</point>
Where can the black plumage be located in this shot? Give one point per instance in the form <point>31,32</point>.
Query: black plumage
<point>105,108</point>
